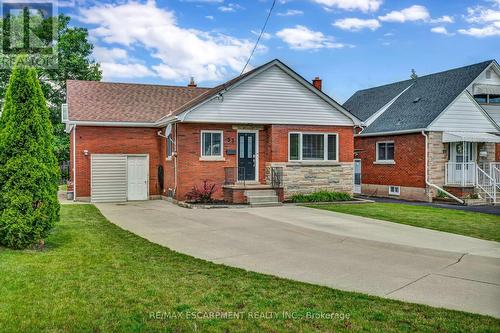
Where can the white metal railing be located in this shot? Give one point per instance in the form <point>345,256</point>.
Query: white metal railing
<point>462,174</point>
<point>486,183</point>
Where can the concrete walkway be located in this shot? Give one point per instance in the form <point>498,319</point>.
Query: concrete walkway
<point>327,248</point>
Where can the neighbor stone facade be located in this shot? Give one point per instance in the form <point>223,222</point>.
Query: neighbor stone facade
<point>302,178</point>
<point>438,156</point>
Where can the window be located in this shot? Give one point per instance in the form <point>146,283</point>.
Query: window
<point>385,151</point>
<point>394,190</point>
<point>487,99</point>
<point>170,147</point>
<point>211,144</point>
<point>312,147</point>
<point>494,99</point>
<point>488,74</point>
<point>481,99</point>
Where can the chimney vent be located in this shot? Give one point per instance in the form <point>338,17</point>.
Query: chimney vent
<point>317,83</point>
<point>192,84</point>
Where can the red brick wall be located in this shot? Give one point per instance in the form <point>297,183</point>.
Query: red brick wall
<point>273,147</point>
<point>409,155</point>
<point>192,171</point>
<point>497,152</point>
<point>114,140</point>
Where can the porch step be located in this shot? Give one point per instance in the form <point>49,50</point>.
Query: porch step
<point>262,198</point>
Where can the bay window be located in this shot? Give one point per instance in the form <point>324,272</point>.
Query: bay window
<point>312,146</point>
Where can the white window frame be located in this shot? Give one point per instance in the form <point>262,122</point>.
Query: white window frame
<point>377,159</point>
<point>397,192</point>
<point>487,74</point>
<point>212,157</point>
<point>325,146</point>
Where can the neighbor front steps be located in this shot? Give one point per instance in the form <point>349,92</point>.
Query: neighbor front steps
<point>262,198</point>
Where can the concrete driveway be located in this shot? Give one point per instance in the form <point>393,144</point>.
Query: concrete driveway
<point>327,248</point>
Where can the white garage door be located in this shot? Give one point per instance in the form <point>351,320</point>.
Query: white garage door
<point>109,178</point>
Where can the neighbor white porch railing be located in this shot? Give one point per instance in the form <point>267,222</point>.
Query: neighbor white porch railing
<point>486,183</point>
<point>460,174</point>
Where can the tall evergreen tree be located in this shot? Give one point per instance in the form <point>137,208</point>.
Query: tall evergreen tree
<point>28,167</point>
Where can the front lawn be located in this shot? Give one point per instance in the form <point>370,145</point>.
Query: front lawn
<point>96,277</point>
<point>485,226</point>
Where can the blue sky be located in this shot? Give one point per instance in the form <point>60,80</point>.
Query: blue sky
<point>350,44</point>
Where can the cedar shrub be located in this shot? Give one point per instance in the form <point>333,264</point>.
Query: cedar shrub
<point>28,167</point>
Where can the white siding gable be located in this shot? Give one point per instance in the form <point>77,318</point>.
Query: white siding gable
<point>463,115</point>
<point>270,97</point>
<point>481,79</point>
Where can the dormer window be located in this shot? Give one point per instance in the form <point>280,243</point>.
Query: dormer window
<point>481,99</point>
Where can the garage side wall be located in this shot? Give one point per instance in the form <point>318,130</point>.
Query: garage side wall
<point>114,140</point>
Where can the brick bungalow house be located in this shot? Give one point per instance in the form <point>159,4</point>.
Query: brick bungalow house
<point>265,133</point>
<point>431,133</point>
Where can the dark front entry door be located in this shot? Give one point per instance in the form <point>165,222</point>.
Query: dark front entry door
<point>246,156</point>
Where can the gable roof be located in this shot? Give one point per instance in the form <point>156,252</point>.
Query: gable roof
<point>92,101</point>
<point>124,102</point>
<point>418,106</point>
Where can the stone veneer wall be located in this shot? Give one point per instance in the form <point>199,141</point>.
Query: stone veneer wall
<point>437,157</point>
<point>490,149</point>
<point>309,177</point>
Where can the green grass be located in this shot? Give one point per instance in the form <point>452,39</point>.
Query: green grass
<point>484,226</point>
<point>95,277</point>
<point>321,196</point>
<point>63,187</point>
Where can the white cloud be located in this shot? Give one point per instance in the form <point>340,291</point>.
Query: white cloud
<point>487,31</point>
<point>209,17</point>
<point>291,12</point>
<point>265,35</point>
<point>441,30</point>
<point>356,24</point>
<point>232,7</point>
<point>179,52</point>
<point>362,5</point>
<point>413,13</point>
<point>116,63</point>
<point>444,19</point>
<point>302,38</point>
<point>485,21</point>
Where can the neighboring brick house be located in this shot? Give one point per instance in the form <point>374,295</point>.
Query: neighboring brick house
<point>431,133</point>
<point>266,133</point>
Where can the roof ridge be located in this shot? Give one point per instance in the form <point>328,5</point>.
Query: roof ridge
<point>430,74</point>
<point>139,84</point>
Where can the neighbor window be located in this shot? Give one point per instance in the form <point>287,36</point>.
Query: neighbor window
<point>394,190</point>
<point>170,147</point>
<point>211,143</point>
<point>385,151</point>
<point>494,99</point>
<point>487,99</point>
<point>488,74</point>
<point>312,147</point>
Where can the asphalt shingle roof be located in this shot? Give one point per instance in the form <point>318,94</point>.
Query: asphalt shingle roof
<point>418,106</point>
<point>124,102</point>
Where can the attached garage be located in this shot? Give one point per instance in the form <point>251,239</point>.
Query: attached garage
<point>119,177</point>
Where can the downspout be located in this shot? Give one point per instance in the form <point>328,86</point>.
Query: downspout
<point>74,162</point>
<point>175,162</point>
<point>426,175</point>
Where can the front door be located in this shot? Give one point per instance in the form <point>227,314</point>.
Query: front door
<point>461,170</point>
<point>357,176</point>
<point>137,178</point>
<point>246,156</point>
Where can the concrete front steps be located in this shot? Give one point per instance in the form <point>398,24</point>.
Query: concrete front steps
<point>262,198</point>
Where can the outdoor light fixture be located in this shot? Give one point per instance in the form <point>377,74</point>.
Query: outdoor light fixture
<point>86,152</point>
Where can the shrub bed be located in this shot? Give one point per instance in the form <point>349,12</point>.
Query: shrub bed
<point>321,196</point>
